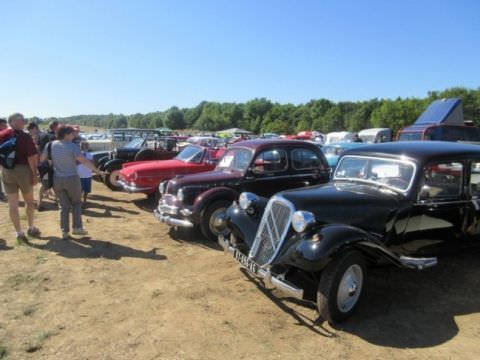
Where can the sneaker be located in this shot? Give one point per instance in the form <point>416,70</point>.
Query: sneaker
<point>22,239</point>
<point>33,232</point>
<point>65,236</point>
<point>79,232</point>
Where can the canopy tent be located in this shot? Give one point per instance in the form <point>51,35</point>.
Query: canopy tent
<point>233,132</point>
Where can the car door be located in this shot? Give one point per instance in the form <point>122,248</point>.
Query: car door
<point>268,173</point>
<point>437,218</point>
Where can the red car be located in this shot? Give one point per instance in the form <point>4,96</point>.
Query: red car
<point>145,176</point>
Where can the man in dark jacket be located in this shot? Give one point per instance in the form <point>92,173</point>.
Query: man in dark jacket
<point>48,136</point>
<point>22,177</point>
<point>3,126</point>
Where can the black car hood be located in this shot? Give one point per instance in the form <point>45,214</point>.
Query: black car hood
<point>208,179</point>
<point>365,206</point>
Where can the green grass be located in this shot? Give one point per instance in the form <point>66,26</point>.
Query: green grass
<point>3,351</point>
<point>29,310</point>
<point>39,341</point>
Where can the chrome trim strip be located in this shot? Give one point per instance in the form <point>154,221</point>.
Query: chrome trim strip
<point>132,188</point>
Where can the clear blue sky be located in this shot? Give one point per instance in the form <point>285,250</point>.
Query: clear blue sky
<point>64,57</point>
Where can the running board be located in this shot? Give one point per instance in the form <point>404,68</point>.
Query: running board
<point>417,263</point>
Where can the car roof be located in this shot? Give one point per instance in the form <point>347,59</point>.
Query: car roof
<point>421,151</point>
<point>345,145</point>
<point>257,144</point>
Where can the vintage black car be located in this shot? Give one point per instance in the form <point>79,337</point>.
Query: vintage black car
<point>139,149</point>
<point>400,203</point>
<point>263,166</point>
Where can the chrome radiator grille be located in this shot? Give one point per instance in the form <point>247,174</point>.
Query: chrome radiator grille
<point>272,230</point>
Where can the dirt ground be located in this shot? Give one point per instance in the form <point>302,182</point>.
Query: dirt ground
<point>131,291</point>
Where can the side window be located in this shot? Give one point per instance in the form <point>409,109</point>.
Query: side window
<point>442,180</point>
<point>305,159</point>
<point>475,178</point>
<point>270,161</point>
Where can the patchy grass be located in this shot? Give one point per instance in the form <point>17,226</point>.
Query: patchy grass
<point>156,293</point>
<point>39,341</point>
<point>40,259</point>
<point>3,351</point>
<point>30,310</point>
<point>20,279</point>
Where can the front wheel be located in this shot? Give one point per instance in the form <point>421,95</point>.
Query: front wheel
<point>213,220</point>
<point>341,286</point>
<point>112,177</point>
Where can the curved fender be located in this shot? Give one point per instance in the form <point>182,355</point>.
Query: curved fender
<point>113,162</point>
<point>207,197</point>
<point>312,255</point>
<point>102,161</point>
<point>242,225</point>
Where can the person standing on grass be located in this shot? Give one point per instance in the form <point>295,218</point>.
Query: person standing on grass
<point>3,126</point>
<point>85,173</point>
<point>43,140</point>
<point>66,182</point>
<point>22,177</point>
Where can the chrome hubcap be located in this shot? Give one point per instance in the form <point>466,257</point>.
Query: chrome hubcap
<point>350,288</point>
<point>114,176</point>
<point>217,222</point>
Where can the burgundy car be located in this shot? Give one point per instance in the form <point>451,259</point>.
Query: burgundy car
<point>145,176</point>
<point>261,166</point>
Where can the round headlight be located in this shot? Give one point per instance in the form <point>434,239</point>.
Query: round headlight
<point>180,195</point>
<point>246,199</point>
<point>302,220</point>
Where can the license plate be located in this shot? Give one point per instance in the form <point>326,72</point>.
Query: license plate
<point>245,262</point>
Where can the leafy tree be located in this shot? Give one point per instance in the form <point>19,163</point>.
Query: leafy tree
<point>174,118</point>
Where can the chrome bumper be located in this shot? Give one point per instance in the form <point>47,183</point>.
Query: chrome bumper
<point>265,274</point>
<point>132,188</point>
<point>167,219</point>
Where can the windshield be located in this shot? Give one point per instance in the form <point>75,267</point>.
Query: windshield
<point>410,136</point>
<point>392,173</point>
<point>135,143</point>
<point>333,150</point>
<point>235,159</point>
<point>368,138</point>
<point>190,154</point>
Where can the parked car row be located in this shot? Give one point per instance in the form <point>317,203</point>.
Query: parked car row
<point>271,205</point>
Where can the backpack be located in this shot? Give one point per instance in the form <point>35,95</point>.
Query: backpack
<point>45,169</point>
<point>8,152</point>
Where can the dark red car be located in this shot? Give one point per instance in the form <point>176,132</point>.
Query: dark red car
<point>261,166</point>
<point>145,176</point>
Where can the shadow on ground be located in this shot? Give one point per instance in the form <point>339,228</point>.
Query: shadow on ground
<point>405,308</point>
<point>89,248</point>
<point>192,236</point>
<point>4,246</point>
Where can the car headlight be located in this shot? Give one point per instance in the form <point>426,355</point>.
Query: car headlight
<point>180,195</point>
<point>246,199</point>
<point>302,220</point>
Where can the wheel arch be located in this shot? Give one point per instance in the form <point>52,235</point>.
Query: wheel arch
<point>203,200</point>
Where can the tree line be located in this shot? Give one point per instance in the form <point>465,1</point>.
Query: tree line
<point>261,115</point>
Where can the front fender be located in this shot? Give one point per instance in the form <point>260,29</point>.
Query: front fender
<point>102,161</point>
<point>207,197</point>
<point>243,226</point>
<point>114,163</point>
<point>311,252</point>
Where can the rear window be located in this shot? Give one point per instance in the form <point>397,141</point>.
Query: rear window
<point>305,159</point>
<point>410,136</point>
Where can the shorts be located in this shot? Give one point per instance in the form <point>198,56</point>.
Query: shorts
<point>86,185</point>
<point>20,177</point>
